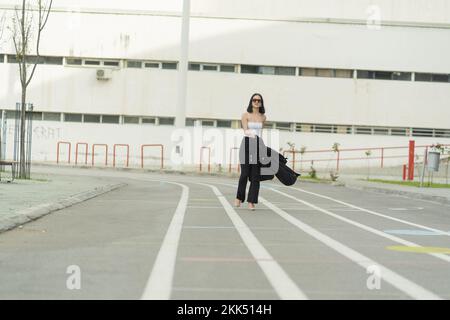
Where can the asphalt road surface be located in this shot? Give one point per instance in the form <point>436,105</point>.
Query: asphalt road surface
<point>180,237</point>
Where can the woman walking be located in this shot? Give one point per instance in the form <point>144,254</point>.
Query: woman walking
<point>252,123</point>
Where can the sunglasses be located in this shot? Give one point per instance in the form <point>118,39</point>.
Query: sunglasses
<point>256,100</point>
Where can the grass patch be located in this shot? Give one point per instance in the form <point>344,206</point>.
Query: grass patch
<point>411,183</point>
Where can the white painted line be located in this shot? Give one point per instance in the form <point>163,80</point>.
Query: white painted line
<point>159,284</point>
<point>373,212</point>
<point>283,285</point>
<point>408,287</point>
<point>364,227</point>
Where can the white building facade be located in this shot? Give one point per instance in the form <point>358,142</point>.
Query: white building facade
<point>357,72</point>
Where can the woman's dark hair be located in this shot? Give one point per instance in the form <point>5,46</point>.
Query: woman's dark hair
<point>261,108</point>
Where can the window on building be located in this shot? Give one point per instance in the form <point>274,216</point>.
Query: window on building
<point>73,61</point>
<point>381,131</point>
<point>146,120</point>
<point>442,133</point>
<point>91,62</point>
<point>329,73</point>
<point>11,58</point>
<point>285,126</point>
<point>2,58</point>
<point>11,114</point>
<point>302,127</point>
<point>406,76</point>
<point>169,65</point>
<point>194,66</point>
<point>190,122</point>
<point>268,125</point>
<point>365,74</point>
<point>324,128</point>
<point>35,115</point>
<point>53,60</point>
<point>209,67</point>
<point>131,120</point>
<point>207,123</point>
<point>422,132</point>
<point>439,77</point>
<point>308,72</point>
<point>422,76</point>
<point>285,71</point>
<point>341,73</point>
<point>249,69</point>
<point>111,63</point>
<point>34,60</point>
<point>399,131</point>
<point>51,116</point>
<point>134,64</point>
<point>363,130</point>
<point>152,65</point>
<point>227,68</point>
<point>383,75</point>
<point>72,117</point>
<point>266,70</point>
<point>344,129</point>
<point>224,123</point>
<point>110,119</point>
<point>92,118</point>
<point>167,121</point>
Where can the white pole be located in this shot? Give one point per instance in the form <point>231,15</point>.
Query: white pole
<point>3,136</point>
<point>180,120</point>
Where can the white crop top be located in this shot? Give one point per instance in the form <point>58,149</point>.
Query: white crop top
<point>255,128</point>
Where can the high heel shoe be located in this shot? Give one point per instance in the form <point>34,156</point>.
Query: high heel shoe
<point>237,203</point>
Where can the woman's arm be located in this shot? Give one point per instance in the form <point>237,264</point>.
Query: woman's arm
<point>244,121</point>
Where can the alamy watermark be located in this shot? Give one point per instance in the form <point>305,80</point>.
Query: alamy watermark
<point>73,281</point>
<point>374,280</point>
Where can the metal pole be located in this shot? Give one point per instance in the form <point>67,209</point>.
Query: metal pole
<point>423,168</point>
<point>180,120</point>
<point>29,139</point>
<point>411,160</point>
<point>3,137</point>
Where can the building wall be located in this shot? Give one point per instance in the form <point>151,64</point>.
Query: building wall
<point>412,37</point>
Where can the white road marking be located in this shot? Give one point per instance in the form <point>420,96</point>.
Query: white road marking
<point>374,213</point>
<point>159,284</point>
<point>284,286</point>
<point>408,287</point>
<point>364,227</point>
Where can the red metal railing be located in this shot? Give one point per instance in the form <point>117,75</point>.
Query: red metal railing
<point>93,152</point>
<point>152,145</point>
<point>231,153</point>
<point>338,159</point>
<point>57,149</point>
<point>86,151</point>
<point>209,158</point>
<point>114,153</point>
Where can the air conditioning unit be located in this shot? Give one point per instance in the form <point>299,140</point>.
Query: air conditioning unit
<point>104,74</point>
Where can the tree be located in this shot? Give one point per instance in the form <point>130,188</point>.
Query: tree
<point>2,27</point>
<point>24,28</point>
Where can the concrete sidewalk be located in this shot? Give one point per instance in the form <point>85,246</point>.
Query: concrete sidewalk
<point>441,195</point>
<point>24,200</point>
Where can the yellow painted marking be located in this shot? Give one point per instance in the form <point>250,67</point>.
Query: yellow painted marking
<point>419,249</point>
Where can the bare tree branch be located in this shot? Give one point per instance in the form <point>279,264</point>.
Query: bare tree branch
<point>44,11</point>
<point>24,29</point>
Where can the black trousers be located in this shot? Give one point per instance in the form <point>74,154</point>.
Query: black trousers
<point>250,169</point>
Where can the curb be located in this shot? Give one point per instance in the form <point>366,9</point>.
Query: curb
<point>20,217</point>
<point>415,195</point>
